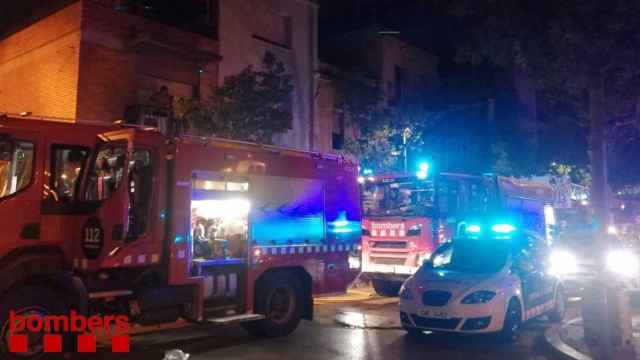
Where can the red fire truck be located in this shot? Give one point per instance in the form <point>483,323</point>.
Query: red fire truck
<point>406,218</point>
<point>158,229</point>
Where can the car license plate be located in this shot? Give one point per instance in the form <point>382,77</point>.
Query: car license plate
<point>437,314</point>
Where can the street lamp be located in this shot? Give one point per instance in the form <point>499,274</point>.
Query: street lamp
<point>406,134</point>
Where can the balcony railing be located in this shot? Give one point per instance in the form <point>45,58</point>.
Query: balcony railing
<point>148,116</point>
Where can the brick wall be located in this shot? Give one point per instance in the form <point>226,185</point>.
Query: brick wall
<point>85,63</point>
<point>118,49</point>
<point>39,66</point>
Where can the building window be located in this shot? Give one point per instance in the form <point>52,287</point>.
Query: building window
<point>338,131</point>
<point>399,82</point>
<point>288,31</point>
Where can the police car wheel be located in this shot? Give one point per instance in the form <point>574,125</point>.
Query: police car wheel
<point>559,306</point>
<point>28,302</point>
<point>279,297</point>
<point>386,287</point>
<point>512,322</point>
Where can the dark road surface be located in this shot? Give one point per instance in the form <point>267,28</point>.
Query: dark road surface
<point>373,334</point>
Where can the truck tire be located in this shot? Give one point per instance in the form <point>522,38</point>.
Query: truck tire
<point>279,297</point>
<point>512,322</point>
<point>559,307</point>
<point>27,301</point>
<point>386,287</point>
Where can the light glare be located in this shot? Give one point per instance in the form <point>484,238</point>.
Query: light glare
<point>623,262</point>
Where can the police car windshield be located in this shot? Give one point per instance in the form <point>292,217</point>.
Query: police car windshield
<point>473,256</point>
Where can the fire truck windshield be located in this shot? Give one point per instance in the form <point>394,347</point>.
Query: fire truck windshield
<point>398,198</point>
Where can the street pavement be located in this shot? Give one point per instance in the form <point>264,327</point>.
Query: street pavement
<point>360,327</point>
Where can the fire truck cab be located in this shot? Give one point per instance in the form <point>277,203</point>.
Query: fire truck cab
<point>407,217</point>
<point>160,229</point>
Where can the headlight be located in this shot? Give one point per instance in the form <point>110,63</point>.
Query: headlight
<point>479,297</point>
<point>623,262</point>
<point>406,293</point>
<point>354,262</point>
<point>562,263</point>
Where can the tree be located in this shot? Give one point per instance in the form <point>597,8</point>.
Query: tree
<point>378,126</point>
<point>584,49</point>
<point>254,105</point>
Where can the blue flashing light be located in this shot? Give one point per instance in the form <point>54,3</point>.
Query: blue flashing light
<point>367,172</point>
<point>423,170</point>
<point>342,225</point>
<point>178,239</point>
<point>503,228</point>
<point>474,229</point>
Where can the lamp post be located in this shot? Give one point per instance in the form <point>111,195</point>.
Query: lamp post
<point>406,134</point>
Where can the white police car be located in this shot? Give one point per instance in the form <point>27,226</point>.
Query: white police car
<point>488,283</point>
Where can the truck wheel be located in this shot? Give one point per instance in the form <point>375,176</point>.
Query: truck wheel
<point>386,287</point>
<point>279,297</point>
<point>559,307</point>
<point>512,322</point>
<point>30,301</point>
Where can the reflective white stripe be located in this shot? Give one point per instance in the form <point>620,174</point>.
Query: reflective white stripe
<point>392,233</point>
<point>142,259</point>
<point>127,260</point>
<point>155,258</point>
<point>374,232</point>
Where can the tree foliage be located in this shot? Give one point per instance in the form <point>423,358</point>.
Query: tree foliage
<point>582,55</point>
<point>254,105</point>
<point>379,124</point>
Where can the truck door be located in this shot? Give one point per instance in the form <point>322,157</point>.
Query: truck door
<point>105,187</point>
<point>21,163</point>
<point>122,181</point>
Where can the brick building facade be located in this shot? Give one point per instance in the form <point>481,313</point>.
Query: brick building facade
<point>91,62</point>
<point>99,61</point>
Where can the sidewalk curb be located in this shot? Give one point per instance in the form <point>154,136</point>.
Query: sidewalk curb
<point>552,337</point>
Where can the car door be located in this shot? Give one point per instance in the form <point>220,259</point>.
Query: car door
<point>537,286</point>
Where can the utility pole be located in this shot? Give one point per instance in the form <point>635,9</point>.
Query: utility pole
<point>605,307</point>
